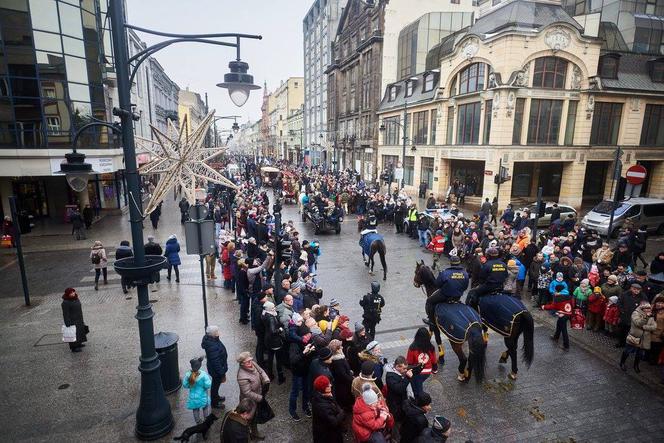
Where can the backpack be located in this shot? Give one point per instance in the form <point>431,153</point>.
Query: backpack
<point>96,258</point>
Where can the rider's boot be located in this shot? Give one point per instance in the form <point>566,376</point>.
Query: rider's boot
<point>441,355</point>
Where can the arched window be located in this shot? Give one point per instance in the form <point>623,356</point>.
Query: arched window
<point>472,78</point>
<point>550,72</point>
<point>453,87</point>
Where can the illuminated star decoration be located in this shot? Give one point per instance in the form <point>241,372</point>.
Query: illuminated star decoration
<point>180,159</point>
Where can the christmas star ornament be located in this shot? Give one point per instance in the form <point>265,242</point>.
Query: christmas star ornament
<point>179,158</point>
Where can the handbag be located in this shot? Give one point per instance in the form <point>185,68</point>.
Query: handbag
<point>633,341</point>
<point>264,412</point>
<point>69,333</point>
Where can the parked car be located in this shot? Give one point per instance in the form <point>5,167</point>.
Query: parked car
<point>443,213</point>
<point>545,221</point>
<point>639,211</point>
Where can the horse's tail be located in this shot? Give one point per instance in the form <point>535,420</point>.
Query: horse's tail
<point>528,328</point>
<point>477,354</point>
<point>381,252</point>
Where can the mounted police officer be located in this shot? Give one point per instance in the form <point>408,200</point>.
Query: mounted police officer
<point>492,276</point>
<point>451,283</point>
<point>372,303</point>
<point>372,221</point>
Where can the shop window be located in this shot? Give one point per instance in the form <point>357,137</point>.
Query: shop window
<point>471,79</point>
<point>550,72</point>
<point>544,122</point>
<point>426,171</point>
<point>409,170</point>
<point>609,66</point>
<point>652,133</point>
<point>571,122</point>
<point>488,110</point>
<point>606,123</point>
<point>468,124</point>
<point>518,121</point>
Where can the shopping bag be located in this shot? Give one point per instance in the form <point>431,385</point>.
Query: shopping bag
<point>6,241</point>
<point>264,412</point>
<point>69,333</point>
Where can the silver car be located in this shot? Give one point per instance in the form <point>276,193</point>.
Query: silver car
<point>545,221</point>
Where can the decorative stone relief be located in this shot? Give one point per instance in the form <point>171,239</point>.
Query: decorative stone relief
<point>495,104</point>
<point>511,99</point>
<point>634,104</point>
<point>492,80</point>
<point>522,77</point>
<point>576,77</point>
<point>557,38</point>
<point>590,107</point>
<point>470,49</point>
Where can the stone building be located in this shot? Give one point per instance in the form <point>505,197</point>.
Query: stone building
<point>288,98</point>
<point>319,28</point>
<point>295,148</point>
<point>164,96</point>
<point>191,105</point>
<point>527,89</point>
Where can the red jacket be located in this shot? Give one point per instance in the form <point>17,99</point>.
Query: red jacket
<point>430,364</point>
<point>563,307</point>
<point>226,262</point>
<point>612,315</point>
<point>437,245</point>
<point>597,303</point>
<point>367,419</point>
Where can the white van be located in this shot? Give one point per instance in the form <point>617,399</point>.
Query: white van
<point>641,211</point>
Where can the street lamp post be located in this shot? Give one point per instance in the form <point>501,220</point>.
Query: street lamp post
<point>404,127</point>
<point>235,126</point>
<point>153,416</point>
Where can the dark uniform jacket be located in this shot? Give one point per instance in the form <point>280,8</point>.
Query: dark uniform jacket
<point>452,282</point>
<point>494,272</point>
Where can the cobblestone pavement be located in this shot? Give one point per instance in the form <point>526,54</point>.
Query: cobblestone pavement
<point>52,395</point>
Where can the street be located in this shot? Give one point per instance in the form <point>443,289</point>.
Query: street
<point>92,395</point>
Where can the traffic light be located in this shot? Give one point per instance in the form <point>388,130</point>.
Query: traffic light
<point>284,251</point>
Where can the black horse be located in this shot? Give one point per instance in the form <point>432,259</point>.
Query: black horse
<point>377,245</point>
<point>472,329</point>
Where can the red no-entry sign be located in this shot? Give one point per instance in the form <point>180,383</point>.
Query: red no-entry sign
<point>636,175</point>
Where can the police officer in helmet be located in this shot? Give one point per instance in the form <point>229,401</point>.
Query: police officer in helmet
<point>372,222</point>
<point>451,283</point>
<point>372,303</point>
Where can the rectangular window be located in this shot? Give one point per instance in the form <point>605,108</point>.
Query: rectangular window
<point>652,133</point>
<point>606,123</point>
<point>420,128</point>
<point>488,110</point>
<point>428,82</point>
<point>550,72</point>
<point>409,170</point>
<point>468,124</point>
<point>571,122</point>
<point>53,124</point>
<point>409,88</point>
<point>450,125</point>
<point>393,94</point>
<point>434,118</point>
<point>426,171</point>
<point>544,122</point>
<point>390,162</point>
<point>392,130</point>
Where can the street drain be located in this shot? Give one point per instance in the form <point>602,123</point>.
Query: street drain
<point>63,386</point>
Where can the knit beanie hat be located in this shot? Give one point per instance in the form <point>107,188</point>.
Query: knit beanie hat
<point>334,345</point>
<point>371,346</point>
<point>297,318</point>
<point>441,424</point>
<point>422,399</point>
<point>324,353</point>
<point>368,395</point>
<point>359,327</point>
<point>321,383</point>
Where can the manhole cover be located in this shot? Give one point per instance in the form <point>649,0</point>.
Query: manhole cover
<point>63,386</point>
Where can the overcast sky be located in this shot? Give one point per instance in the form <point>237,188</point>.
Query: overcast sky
<point>200,67</point>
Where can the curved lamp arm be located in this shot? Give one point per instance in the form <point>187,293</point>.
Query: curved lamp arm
<point>115,127</point>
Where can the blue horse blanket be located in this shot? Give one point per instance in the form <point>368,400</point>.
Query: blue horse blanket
<point>499,311</point>
<point>367,239</point>
<point>454,319</point>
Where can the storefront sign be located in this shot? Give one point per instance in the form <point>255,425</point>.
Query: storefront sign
<point>101,165</point>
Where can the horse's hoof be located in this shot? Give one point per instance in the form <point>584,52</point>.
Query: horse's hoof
<point>384,278</point>
<point>511,376</point>
<point>503,358</point>
<point>461,378</point>
<point>366,264</point>
<point>441,361</point>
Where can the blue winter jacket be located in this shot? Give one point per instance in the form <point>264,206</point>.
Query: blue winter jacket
<point>171,252</point>
<point>554,283</point>
<point>521,276</point>
<point>216,355</point>
<point>198,394</point>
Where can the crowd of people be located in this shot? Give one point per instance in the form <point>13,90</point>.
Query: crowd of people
<point>337,372</point>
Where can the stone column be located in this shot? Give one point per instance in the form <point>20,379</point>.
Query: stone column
<point>571,185</point>
<point>443,175</point>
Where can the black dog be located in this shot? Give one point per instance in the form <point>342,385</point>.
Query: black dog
<point>201,428</point>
